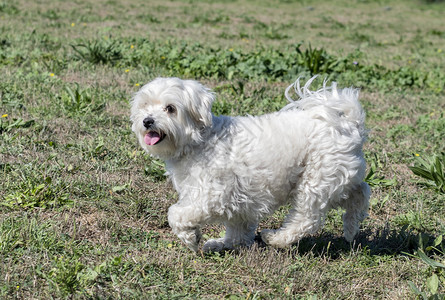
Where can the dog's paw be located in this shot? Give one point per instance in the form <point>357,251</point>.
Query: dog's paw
<point>214,245</point>
<point>190,238</point>
<point>274,238</point>
<point>267,235</point>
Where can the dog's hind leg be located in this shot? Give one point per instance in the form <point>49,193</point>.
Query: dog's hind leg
<point>356,210</point>
<point>305,218</point>
<point>296,226</point>
<point>309,212</point>
<point>237,235</point>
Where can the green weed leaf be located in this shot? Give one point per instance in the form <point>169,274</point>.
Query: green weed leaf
<point>432,283</point>
<point>431,169</point>
<point>422,173</point>
<point>429,261</point>
<point>119,188</point>
<point>416,290</point>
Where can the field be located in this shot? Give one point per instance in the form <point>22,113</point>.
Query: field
<point>83,209</point>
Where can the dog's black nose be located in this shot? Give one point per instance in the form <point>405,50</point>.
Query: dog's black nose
<point>148,121</point>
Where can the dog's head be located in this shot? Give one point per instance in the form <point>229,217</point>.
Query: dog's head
<point>171,115</point>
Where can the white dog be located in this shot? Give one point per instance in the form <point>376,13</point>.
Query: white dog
<point>237,170</point>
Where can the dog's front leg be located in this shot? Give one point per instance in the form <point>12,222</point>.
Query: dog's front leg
<point>185,222</point>
<point>189,236</point>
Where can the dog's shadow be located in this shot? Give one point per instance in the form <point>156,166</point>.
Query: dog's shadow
<point>330,246</point>
<point>377,242</point>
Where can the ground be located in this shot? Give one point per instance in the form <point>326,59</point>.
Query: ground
<point>83,209</point>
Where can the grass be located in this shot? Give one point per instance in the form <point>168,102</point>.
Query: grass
<point>83,209</point>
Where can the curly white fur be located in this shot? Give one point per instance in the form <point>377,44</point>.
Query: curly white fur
<point>237,170</point>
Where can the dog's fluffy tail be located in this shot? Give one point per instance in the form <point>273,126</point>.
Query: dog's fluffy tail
<point>338,104</point>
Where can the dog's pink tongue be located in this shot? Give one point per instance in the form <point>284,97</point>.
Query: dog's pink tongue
<point>151,138</point>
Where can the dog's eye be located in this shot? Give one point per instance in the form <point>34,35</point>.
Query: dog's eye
<point>170,109</point>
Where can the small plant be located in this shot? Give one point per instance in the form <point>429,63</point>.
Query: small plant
<point>275,33</point>
<point>6,124</point>
<point>43,195</point>
<point>436,269</point>
<point>415,220</point>
<point>377,204</point>
<point>98,52</point>
<point>156,170</point>
<point>373,179</point>
<point>210,19</point>
<point>8,9</point>
<point>96,149</point>
<point>431,169</point>
<point>317,61</point>
<point>65,275</point>
<point>78,100</point>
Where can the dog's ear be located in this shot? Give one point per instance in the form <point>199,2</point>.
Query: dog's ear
<point>201,99</point>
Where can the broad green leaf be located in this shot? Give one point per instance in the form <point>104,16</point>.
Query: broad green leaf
<point>421,172</point>
<point>433,283</point>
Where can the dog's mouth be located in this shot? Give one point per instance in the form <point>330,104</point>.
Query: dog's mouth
<point>153,137</point>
